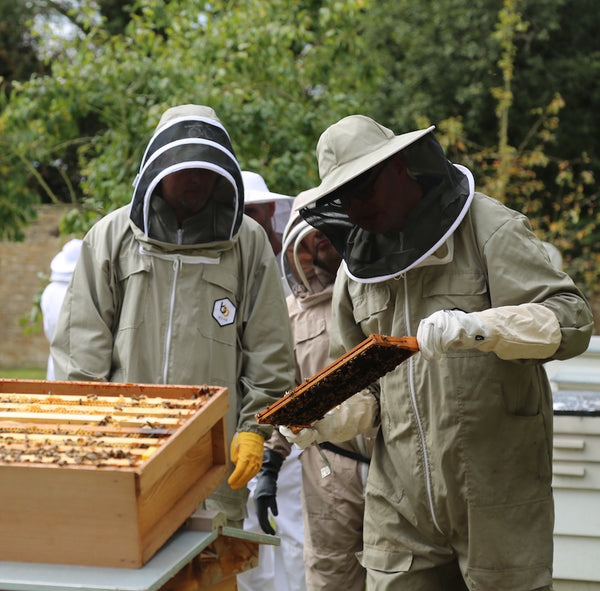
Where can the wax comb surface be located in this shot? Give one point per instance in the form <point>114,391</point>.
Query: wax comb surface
<point>350,373</point>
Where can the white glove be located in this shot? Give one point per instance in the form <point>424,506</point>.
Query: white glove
<point>527,331</point>
<point>449,328</point>
<point>303,438</point>
<point>357,414</point>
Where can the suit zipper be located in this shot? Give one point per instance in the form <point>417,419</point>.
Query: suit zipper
<point>413,399</point>
<point>176,267</point>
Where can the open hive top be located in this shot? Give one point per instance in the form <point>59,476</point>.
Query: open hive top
<point>350,373</point>
<point>119,429</point>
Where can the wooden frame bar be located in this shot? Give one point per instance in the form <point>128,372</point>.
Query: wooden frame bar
<point>347,375</point>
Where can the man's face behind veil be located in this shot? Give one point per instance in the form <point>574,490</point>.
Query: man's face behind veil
<point>188,190</point>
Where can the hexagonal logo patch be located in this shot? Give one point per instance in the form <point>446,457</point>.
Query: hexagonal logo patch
<point>224,312</point>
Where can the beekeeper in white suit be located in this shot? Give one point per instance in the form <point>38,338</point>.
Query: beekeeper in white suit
<point>61,270</point>
<point>271,210</point>
<point>280,568</point>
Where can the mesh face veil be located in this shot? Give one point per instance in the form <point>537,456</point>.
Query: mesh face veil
<point>368,257</point>
<point>190,141</point>
<point>293,270</point>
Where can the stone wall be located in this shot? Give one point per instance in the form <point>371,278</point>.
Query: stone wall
<point>20,265</point>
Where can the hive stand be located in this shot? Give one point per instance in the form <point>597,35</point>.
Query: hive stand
<point>203,555</point>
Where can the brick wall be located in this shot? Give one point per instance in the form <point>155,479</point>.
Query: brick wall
<point>20,263</point>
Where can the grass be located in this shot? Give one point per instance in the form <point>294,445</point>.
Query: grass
<point>24,373</point>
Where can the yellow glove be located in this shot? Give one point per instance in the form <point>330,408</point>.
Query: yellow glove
<point>246,453</point>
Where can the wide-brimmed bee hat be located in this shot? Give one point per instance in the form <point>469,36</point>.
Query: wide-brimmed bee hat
<point>351,148</point>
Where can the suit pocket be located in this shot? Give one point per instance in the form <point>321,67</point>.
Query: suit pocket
<point>133,285</point>
<point>370,303</point>
<point>445,291</point>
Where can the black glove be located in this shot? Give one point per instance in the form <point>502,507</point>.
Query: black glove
<point>265,492</point>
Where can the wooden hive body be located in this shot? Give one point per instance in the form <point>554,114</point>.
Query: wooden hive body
<point>353,371</point>
<point>81,507</point>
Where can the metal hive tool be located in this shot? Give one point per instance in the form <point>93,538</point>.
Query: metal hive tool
<point>350,373</point>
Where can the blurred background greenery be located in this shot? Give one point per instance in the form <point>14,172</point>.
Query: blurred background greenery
<point>34,373</point>
<point>509,84</point>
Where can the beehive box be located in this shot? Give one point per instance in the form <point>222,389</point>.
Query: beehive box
<point>102,474</point>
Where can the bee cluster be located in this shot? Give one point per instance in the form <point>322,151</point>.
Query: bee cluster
<point>89,430</point>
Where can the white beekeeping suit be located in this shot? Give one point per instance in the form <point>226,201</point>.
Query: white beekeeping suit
<point>61,270</point>
<point>280,568</point>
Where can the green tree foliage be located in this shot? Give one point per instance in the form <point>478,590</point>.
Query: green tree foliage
<point>558,195</point>
<point>18,48</point>
<point>560,53</point>
<point>441,56</point>
<point>497,79</point>
<point>276,81</point>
